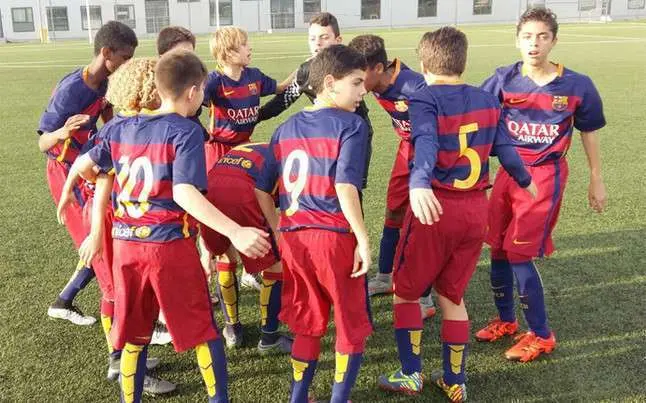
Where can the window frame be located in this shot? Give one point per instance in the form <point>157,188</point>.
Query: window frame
<point>365,17</point>
<point>134,17</point>
<point>27,22</point>
<point>419,7</point>
<point>212,17</point>
<point>50,18</point>
<point>480,9</point>
<point>84,17</point>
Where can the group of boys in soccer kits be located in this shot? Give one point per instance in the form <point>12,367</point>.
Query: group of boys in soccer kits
<point>154,161</point>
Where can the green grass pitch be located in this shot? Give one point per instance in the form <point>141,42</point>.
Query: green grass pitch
<point>595,283</point>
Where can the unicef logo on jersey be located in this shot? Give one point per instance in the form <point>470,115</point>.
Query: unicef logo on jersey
<point>128,232</point>
<point>401,106</point>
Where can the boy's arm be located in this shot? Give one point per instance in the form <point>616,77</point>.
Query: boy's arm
<point>83,167</point>
<point>247,240</point>
<point>92,244</point>
<point>362,111</point>
<point>423,115</point>
<point>597,196</point>
<point>48,140</point>
<point>280,102</point>
<point>348,196</point>
<point>509,158</point>
<point>286,83</point>
<point>268,208</point>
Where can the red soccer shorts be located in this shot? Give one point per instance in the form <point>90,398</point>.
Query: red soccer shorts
<point>397,194</point>
<point>443,255</point>
<point>520,224</point>
<point>149,276</point>
<point>102,265</point>
<point>235,197</point>
<point>316,277</point>
<point>56,175</point>
<point>213,151</point>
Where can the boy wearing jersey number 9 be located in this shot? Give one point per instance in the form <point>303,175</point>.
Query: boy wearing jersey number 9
<point>318,159</point>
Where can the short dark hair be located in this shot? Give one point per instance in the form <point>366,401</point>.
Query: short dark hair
<point>337,60</point>
<point>372,47</point>
<point>114,35</point>
<point>171,36</point>
<point>178,70</point>
<point>541,14</point>
<point>326,19</point>
<point>444,51</point>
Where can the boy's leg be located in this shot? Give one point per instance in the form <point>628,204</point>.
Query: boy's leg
<point>227,286</point>
<point>270,304</point>
<point>213,367</point>
<point>396,204</point>
<point>305,356</point>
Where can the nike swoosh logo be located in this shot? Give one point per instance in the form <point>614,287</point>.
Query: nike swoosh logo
<point>515,101</point>
<point>227,93</point>
<point>517,242</point>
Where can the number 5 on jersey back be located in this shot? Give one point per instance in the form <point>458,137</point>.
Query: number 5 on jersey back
<point>471,155</point>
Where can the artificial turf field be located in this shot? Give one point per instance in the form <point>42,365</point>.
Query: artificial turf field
<point>595,283</point>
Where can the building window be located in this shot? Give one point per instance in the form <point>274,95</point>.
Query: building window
<point>95,17</point>
<point>636,4</point>
<point>57,19</point>
<point>1,31</point>
<point>587,5</point>
<point>125,13</point>
<point>310,9</point>
<point>157,15</point>
<point>482,7</point>
<point>23,19</point>
<point>226,12</point>
<point>371,9</point>
<point>535,3</point>
<point>188,1</point>
<point>426,8</point>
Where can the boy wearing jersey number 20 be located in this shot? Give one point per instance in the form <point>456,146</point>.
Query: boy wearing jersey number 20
<point>543,103</point>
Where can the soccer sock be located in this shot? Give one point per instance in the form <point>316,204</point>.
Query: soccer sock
<point>455,344</point>
<point>387,247</point>
<point>305,354</point>
<point>81,277</point>
<point>408,333</point>
<point>228,290</point>
<point>213,367</point>
<point>133,372</point>
<point>272,284</point>
<point>107,312</point>
<point>532,300</point>
<point>502,286</point>
<point>345,375</point>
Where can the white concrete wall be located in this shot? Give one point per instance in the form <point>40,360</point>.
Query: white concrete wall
<point>246,14</point>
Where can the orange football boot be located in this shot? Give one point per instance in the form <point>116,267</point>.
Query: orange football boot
<point>496,329</point>
<point>529,347</point>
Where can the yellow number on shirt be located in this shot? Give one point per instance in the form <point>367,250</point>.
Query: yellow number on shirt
<point>127,179</point>
<point>472,156</point>
<point>245,147</point>
<point>296,187</point>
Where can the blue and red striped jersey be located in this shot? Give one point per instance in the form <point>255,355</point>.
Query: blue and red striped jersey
<point>150,153</point>
<point>455,130</point>
<point>72,96</point>
<point>394,100</point>
<point>233,105</point>
<point>310,153</point>
<point>244,161</point>
<point>541,119</point>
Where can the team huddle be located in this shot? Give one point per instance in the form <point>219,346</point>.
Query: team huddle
<point>158,204</point>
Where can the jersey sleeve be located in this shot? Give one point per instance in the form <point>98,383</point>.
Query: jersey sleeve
<point>353,150</point>
<point>589,116</point>
<point>61,106</point>
<point>101,154</point>
<point>493,85</point>
<point>268,172</point>
<point>423,116</point>
<point>189,166</point>
<point>362,111</point>
<point>267,85</point>
<point>280,102</point>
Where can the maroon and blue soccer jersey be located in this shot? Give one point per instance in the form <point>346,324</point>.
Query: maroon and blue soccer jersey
<point>72,96</point>
<point>244,161</point>
<point>234,105</point>
<point>394,100</point>
<point>150,153</point>
<point>310,153</point>
<point>541,120</point>
<point>455,130</point>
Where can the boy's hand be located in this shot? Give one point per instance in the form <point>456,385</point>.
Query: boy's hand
<point>73,123</point>
<point>426,208</point>
<point>90,247</point>
<point>532,189</point>
<point>67,198</point>
<point>597,196</point>
<point>250,241</point>
<point>362,260</point>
